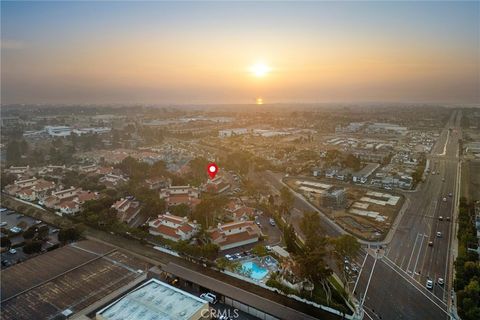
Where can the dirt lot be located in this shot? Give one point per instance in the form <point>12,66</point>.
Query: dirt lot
<point>352,218</point>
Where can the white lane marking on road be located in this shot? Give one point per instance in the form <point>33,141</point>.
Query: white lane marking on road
<point>368,282</point>
<point>418,255</point>
<point>426,296</point>
<point>360,273</point>
<point>403,260</point>
<point>403,271</point>
<point>411,255</point>
<point>365,312</point>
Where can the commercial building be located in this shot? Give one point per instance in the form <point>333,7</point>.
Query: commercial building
<point>156,300</point>
<point>362,175</point>
<point>333,198</point>
<point>232,132</point>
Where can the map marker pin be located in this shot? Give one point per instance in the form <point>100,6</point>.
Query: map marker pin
<point>212,170</point>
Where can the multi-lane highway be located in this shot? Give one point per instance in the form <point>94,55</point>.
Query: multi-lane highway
<point>392,282</point>
<point>397,289</point>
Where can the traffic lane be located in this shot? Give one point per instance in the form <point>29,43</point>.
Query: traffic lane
<point>413,222</point>
<point>442,225</point>
<point>302,205</point>
<point>273,233</point>
<point>390,296</point>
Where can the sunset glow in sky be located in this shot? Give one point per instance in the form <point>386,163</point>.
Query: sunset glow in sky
<point>167,52</point>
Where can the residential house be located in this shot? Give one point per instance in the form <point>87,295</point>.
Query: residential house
<point>173,227</point>
<point>217,185</point>
<point>237,211</point>
<point>157,183</point>
<point>127,209</point>
<point>175,195</point>
<point>112,180</point>
<point>235,234</point>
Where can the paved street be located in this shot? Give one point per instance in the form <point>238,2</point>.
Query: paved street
<point>397,286</point>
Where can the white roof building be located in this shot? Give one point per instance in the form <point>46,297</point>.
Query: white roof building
<point>155,300</point>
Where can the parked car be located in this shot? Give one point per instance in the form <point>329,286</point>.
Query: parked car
<point>210,297</point>
<point>440,281</point>
<point>272,222</point>
<point>440,218</point>
<point>439,234</point>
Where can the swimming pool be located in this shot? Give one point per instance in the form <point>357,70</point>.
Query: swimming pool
<point>257,272</point>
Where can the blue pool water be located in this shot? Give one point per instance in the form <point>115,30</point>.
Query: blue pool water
<point>258,273</point>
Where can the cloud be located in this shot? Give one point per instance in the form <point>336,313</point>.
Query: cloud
<point>12,44</point>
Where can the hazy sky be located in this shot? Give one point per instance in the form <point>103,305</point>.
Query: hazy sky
<point>200,52</point>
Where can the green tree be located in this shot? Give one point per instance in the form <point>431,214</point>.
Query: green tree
<point>181,210</point>
<point>68,235</point>
<point>310,224</point>
<point>5,242</point>
<point>347,246</point>
<point>13,152</point>
<point>32,247</point>
<point>287,198</point>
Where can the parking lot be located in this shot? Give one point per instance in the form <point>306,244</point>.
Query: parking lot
<point>13,225</point>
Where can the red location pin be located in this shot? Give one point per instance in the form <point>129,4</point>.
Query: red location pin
<point>212,170</point>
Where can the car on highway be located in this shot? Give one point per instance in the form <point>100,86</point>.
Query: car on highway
<point>429,284</point>
<point>440,281</point>
<point>439,234</point>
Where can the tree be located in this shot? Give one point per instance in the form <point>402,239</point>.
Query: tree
<point>310,224</point>
<point>352,162</point>
<point>32,247</point>
<point>67,235</point>
<point>288,199</point>
<point>13,152</point>
<point>347,246</point>
<point>259,250</point>
<point>314,269</point>
<point>181,210</point>
<point>5,242</point>
<point>209,250</point>
<point>290,237</point>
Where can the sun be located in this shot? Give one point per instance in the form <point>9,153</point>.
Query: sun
<point>260,69</point>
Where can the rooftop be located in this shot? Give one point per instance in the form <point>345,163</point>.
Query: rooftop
<point>154,300</point>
